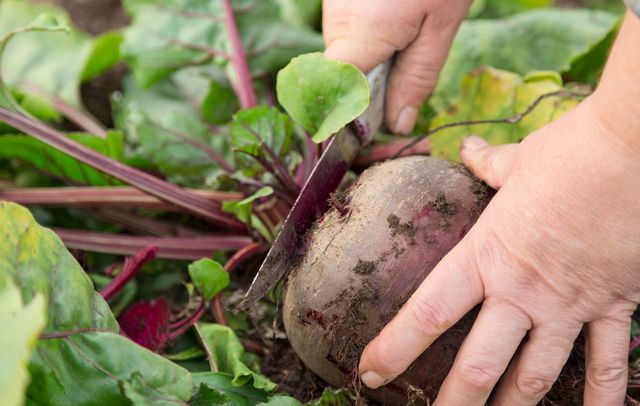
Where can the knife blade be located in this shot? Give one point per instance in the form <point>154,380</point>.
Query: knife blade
<point>324,179</point>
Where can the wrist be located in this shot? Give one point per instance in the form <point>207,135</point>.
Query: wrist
<point>615,102</point>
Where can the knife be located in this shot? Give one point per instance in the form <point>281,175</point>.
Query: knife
<point>324,179</point>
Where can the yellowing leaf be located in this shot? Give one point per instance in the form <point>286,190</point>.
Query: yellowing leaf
<point>493,94</point>
<point>21,325</point>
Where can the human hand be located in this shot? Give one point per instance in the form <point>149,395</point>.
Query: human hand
<point>557,248</point>
<point>367,32</point>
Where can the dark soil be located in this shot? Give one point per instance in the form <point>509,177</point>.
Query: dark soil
<point>364,267</point>
<point>283,366</point>
<point>93,16</point>
<point>397,228</point>
<point>96,17</point>
<point>442,206</point>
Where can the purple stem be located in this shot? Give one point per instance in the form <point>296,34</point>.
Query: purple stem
<point>101,196</point>
<point>180,327</point>
<point>310,159</point>
<point>245,90</point>
<point>189,247</point>
<point>635,343</point>
<point>131,267</point>
<point>141,180</point>
<point>277,168</point>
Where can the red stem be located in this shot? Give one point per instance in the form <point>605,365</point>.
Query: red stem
<point>179,328</point>
<point>384,151</point>
<point>245,90</point>
<point>190,248</point>
<point>141,180</point>
<point>217,308</point>
<point>132,266</point>
<point>102,196</point>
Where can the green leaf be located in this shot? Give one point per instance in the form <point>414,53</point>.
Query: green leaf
<point>334,397</point>
<point>501,8</point>
<point>164,129</point>
<point>243,209</point>
<point>186,355</point>
<point>254,127</point>
<point>168,35</point>
<point>105,54</point>
<point>56,163</point>
<point>301,13</point>
<point>21,325</point>
<point>281,400</point>
<point>218,386</point>
<point>45,63</point>
<point>225,354</point>
<point>140,393</point>
<point>587,67</point>
<point>321,94</point>
<point>81,343</point>
<point>493,94</point>
<point>220,103</point>
<point>543,39</point>
<point>209,277</point>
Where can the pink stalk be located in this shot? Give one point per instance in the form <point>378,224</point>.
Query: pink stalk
<point>102,196</point>
<point>388,150</point>
<point>188,247</point>
<point>245,90</point>
<point>179,328</point>
<point>217,308</point>
<point>141,180</point>
<point>131,267</point>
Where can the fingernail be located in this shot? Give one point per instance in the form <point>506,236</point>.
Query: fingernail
<point>372,380</point>
<point>406,120</point>
<point>473,143</point>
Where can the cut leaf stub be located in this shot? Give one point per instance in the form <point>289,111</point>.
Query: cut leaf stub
<point>321,94</point>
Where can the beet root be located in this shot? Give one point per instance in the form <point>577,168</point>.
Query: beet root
<point>360,266</point>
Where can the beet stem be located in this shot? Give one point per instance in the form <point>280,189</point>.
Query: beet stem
<point>132,266</point>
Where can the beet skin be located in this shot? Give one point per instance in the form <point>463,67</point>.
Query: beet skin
<point>360,266</point>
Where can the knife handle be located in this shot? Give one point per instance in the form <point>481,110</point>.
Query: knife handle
<point>371,120</point>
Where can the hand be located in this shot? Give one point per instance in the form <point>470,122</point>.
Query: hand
<point>367,32</point>
<point>558,248</point>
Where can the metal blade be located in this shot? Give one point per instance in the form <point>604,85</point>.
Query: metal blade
<point>324,179</point>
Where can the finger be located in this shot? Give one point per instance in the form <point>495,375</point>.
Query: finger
<point>447,294</point>
<point>536,366</point>
<point>485,354</point>
<point>416,70</point>
<point>352,30</point>
<point>490,163</point>
<point>607,347</point>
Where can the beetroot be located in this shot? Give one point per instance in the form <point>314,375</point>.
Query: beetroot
<point>361,265</point>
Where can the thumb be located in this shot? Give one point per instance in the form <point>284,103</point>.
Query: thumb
<point>490,163</point>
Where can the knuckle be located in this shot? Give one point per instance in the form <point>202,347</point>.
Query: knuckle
<point>607,378</point>
<point>533,385</point>
<point>431,317</point>
<point>478,377</point>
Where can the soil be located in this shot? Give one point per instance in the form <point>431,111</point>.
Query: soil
<point>442,206</point>
<point>283,366</point>
<point>365,267</point>
<point>93,16</point>
<point>96,17</point>
<point>397,228</point>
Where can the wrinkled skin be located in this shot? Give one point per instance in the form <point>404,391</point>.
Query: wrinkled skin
<point>359,267</point>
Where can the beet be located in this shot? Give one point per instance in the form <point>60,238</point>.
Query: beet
<point>360,266</point>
